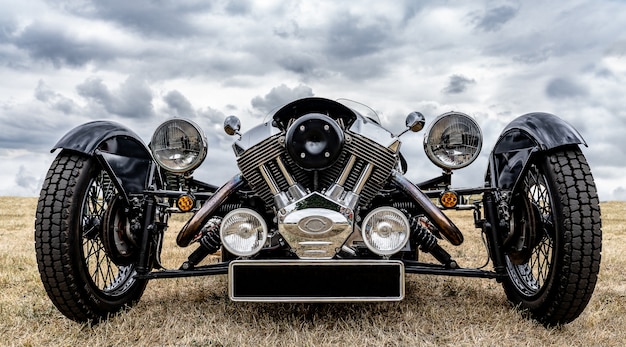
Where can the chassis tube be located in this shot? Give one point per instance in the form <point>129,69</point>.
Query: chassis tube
<point>199,218</point>
<point>445,225</point>
<point>145,250</point>
<point>494,238</point>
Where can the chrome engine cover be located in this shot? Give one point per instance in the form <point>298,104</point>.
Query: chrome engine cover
<point>315,209</point>
<point>315,226</point>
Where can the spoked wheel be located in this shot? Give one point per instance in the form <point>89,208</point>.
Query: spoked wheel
<point>86,251</point>
<point>554,242</point>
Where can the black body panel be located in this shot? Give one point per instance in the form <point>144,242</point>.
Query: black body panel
<point>119,149</point>
<point>305,106</point>
<point>524,136</point>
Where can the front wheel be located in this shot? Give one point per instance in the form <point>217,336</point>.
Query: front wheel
<point>552,251</point>
<point>85,248</point>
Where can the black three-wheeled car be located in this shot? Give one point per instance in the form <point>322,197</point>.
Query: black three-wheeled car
<point>321,210</point>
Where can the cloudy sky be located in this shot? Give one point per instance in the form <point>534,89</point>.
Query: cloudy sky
<point>63,63</point>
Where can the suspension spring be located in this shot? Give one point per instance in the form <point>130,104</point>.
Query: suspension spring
<point>209,236</point>
<point>423,236</point>
<point>209,240</point>
<point>225,208</point>
<point>404,205</point>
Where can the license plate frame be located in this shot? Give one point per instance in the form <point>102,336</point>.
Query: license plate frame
<point>316,280</point>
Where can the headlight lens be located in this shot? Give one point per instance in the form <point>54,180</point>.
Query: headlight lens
<point>178,145</point>
<point>385,231</point>
<point>453,141</point>
<point>243,232</point>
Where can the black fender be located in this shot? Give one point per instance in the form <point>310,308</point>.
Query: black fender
<point>523,138</point>
<point>121,152</point>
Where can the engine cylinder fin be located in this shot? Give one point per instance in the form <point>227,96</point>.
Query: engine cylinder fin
<point>281,182</point>
<point>250,161</point>
<point>359,151</point>
<point>382,159</point>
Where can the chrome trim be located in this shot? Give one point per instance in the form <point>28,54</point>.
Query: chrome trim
<point>360,184</point>
<point>283,170</point>
<point>269,180</point>
<point>167,127</point>
<point>232,125</point>
<point>280,198</point>
<point>373,132</point>
<point>253,137</point>
<point>346,171</point>
<point>404,230</point>
<point>295,190</point>
<point>312,219</point>
<point>464,119</point>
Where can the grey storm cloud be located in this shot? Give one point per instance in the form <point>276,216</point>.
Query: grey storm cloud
<point>561,88</point>
<point>299,63</point>
<point>54,99</point>
<point>133,99</point>
<point>150,59</point>
<point>458,84</point>
<point>279,96</point>
<point>61,46</point>
<point>25,180</point>
<point>212,115</point>
<point>8,26</point>
<point>239,7</point>
<point>150,18</point>
<point>287,30</point>
<point>495,18</point>
<point>350,37</point>
<point>179,104</point>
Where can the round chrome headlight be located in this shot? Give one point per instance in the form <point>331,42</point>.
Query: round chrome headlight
<point>453,141</point>
<point>178,145</point>
<point>243,232</point>
<point>385,230</point>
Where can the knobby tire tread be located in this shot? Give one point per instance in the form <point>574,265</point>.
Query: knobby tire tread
<point>52,237</point>
<point>582,243</point>
<point>576,267</point>
<point>55,244</point>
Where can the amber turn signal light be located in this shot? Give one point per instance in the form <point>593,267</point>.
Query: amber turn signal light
<point>185,203</point>
<point>449,199</point>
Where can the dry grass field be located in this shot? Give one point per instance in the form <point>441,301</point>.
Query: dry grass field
<point>197,312</point>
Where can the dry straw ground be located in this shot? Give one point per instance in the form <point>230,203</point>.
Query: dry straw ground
<point>197,312</point>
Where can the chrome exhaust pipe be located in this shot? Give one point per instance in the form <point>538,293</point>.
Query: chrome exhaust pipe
<point>449,231</point>
<point>193,225</point>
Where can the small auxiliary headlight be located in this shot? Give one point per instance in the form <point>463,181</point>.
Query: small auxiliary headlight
<point>453,141</point>
<point>243,232</point>
<point>385,230</point>
<point>178,145</point>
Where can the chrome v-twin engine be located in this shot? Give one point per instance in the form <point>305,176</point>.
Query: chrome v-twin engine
<point>315,209</point>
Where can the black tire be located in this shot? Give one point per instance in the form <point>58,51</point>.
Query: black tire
<point>80,277</point>
<point>554,267</point>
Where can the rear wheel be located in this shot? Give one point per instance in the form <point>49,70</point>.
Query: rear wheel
<point>84,243</point>
<point>554,241</point>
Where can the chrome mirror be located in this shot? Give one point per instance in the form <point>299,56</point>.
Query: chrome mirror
<point>232,125</point>
<point>415,121</point>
